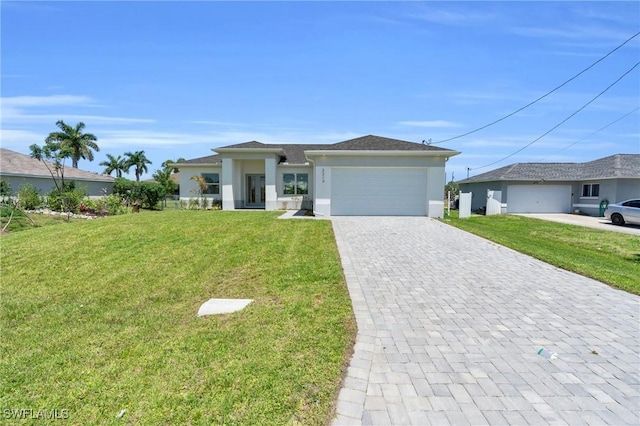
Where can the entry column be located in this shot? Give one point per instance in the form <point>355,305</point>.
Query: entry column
<point>228,199</point>
<point>271,195</point>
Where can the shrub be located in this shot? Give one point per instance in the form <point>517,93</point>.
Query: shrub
<point>28,197</point>
<point>69,200</point>
<point>145,194</point>
<point>152,193</point>
<point>113,205</point>
<point>123,187</point>
<point>194,204</point>
<point>216,204</point>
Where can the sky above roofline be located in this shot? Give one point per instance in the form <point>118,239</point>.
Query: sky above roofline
<point>176,79</point>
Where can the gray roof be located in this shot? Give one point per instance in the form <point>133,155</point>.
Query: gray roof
<point>15,163</point>
<point>614,166</point>
<point>294,153</point>
<point>209,159</point>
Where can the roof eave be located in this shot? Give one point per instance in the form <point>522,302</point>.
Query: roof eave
<point>382,153</point>
<point>249,150</point>
<point>43,176</point>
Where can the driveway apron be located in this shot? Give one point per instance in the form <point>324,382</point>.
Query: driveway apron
<point>450,325</point>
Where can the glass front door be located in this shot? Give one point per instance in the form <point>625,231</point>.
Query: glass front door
<point>255,191</point>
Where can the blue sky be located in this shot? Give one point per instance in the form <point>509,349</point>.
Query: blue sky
<point>176,79</point>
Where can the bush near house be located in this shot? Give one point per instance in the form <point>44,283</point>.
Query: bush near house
<point>145,194</point>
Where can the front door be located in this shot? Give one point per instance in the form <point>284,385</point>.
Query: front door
<point>255,191</point>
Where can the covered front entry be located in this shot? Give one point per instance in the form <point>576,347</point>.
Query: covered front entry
<point>539,199</point>
<point>255,191</point>
<point>378,191</point>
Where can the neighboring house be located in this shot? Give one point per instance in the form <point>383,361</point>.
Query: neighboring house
<point>370,175</point>
<point>558,187</point>
<point>18,169</point>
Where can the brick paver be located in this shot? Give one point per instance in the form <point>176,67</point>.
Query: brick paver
<point>449,326</point>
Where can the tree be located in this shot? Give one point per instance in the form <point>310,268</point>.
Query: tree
<point>174,169</point>
<point>138,161</point>
<point>52,154</point>
<point>201,189</point>
<point>74,141</point>
<point>163,177</point>
<point>114,164</point>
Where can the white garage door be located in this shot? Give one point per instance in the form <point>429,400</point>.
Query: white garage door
<point>357,191</point>
<point>539,199</point>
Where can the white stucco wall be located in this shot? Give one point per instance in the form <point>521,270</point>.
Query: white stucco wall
<point>45,185</point>
<point>189,188</point>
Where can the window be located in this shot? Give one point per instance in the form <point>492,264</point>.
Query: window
<point>295,183</point>
<point>591,190</point>
<point>213,183</point>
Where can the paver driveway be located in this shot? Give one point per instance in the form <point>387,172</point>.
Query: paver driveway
<point>449,326</point>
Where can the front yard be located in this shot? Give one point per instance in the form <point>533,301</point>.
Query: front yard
<point>99,317</point>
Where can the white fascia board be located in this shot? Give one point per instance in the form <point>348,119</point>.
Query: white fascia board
<point>181,165</point>
<point>249,150</point>
<point>379,153</point>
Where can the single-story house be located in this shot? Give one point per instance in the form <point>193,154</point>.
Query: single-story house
<point>558,187</point>
<point>369,175</point>
<point>19,169</point>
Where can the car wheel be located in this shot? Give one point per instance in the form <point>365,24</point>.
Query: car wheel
<point>617,219</point>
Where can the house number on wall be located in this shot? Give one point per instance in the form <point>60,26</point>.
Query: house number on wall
<point>323,175</point>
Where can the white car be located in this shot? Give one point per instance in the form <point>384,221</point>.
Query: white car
<point>624,212</point>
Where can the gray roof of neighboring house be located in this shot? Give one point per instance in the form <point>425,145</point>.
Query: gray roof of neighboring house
<point>294,153</point>
<point>614,166</point>
<point>15,163</point>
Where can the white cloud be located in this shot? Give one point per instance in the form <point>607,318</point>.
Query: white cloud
<point>19,140</point>
<point>576,32</point>
<point>449,17</point>
<point>430,123</point>
<point>16,109</point>
<point>39,101</point>
<point>125,139</point>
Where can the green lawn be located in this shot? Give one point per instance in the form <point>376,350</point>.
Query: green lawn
<point>610,257</point>
<point>100,316</point>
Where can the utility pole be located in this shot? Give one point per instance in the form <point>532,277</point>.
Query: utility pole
<point>468,168</point>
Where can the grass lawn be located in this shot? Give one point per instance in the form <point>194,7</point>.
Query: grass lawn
<point>610,257</point>
<point>100,316</point>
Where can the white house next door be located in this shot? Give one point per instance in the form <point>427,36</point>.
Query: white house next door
<point>255,191</point>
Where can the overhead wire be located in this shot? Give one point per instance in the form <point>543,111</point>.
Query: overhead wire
<point>562,122</point>
<point>593,133</point>
<point>543,96</point>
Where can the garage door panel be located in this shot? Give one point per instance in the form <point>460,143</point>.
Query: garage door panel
<point>539,199</point>
<point>378,191</point>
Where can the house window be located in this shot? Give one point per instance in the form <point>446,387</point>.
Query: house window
<point>295,183</point>
<point>213,183</point>
<point>591,190</point>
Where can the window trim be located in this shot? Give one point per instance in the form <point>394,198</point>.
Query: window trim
<point>590,187</point>
<point>295,183</point>
<point>213,188</point>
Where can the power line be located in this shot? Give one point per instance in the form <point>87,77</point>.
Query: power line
<point>591,134</point>
<point>563,121</point>
<point>543,96</point>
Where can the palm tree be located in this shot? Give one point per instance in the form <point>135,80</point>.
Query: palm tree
<point>139,161</point>
<point>174,169</point>
<point>114,164</point>
<point>78,143</point>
